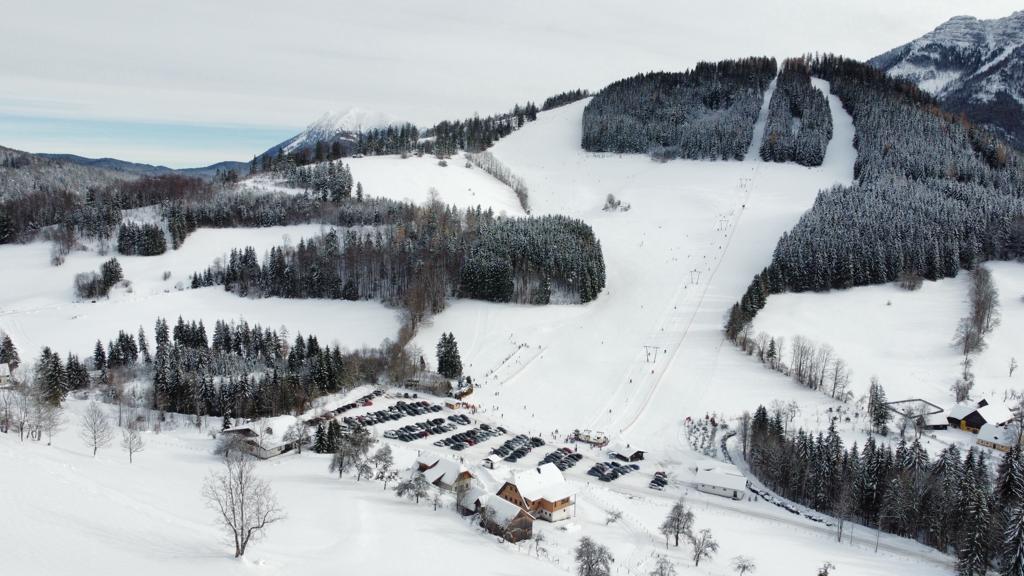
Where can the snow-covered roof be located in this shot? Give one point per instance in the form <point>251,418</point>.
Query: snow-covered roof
<point>996,413</point>
<point>444,471</point>
<point>995,434</point>
<point>961,410</point>
<point>469,497</point>
<point>542,483</point>
<point>723,468</point>
<point>5,370</point>
<point>623,449</point>
<point>502,511</point>
<point>716,477</point>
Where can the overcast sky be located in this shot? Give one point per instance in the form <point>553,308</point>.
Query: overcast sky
<point>191,82</point>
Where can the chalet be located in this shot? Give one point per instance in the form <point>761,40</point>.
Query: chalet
<point>996,437</point>
<point>625,453</point>
<point>722,480</point>
<point>498,516</point>
<point>443,473</point>
<point>542,491</point>
<point>971,417</point>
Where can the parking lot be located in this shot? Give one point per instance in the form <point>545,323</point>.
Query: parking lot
<point>424,423</point>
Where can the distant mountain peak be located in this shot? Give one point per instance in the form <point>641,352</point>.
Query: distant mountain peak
<point>354,119</point>
<point>338,125</point>
<point>971,66</point>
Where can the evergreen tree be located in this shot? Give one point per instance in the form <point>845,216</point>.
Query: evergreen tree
<point>878,410</point>
<point>8,352</point>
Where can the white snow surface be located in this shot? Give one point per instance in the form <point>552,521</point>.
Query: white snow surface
<point>38,307</point>
<point>906,338</point>
<point>696,234</point>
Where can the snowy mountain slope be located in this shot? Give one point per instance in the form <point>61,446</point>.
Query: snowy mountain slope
<point>22,172</point>
<point>336,126</point>
<point>661,256</point>
<point>412,179</point>
<point>971,66</point>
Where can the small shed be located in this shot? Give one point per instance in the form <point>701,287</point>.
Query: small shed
<point>506,520</point>
<point>721,481</point>
<point>626,453</point>
<point>5,374</point>
<point>996,437</point>
<point>934,422</point>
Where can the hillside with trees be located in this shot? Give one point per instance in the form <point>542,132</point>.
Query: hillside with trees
<point>799,125</point>
<point>934,195</point>
<point>706,113</point>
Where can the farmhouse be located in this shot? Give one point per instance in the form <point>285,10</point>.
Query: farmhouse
<point>971,417</point>
<point>722,480</point>
<point>443,473</point>
<point>253,444</point>
<point>626,453</point>
<point>542,491</point>
<point>503,519</point>
<point>997,437</point>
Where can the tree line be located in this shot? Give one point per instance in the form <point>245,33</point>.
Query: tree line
<point>934,195</point>
<point>439,253</point>
<point>705,113</point>
<point>950,503</point>
<point>799,123</point>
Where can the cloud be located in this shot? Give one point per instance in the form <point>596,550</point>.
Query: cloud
<point>281,65</point>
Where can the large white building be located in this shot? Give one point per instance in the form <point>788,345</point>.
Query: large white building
<point>722,480</point>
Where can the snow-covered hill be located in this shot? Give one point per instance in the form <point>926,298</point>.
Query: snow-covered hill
<point>336,126</point>
<point>971,66</point>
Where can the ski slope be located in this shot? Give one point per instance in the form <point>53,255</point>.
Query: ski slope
<point>695,235</point>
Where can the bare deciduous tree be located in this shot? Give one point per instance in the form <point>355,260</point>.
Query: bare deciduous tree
<point>743,565</point>
<point>612,517</point>
<point>131,440</point>
<point>663,567</point>
<point>704,546</point>
<point>96,431</point>
<point>49,418</point>
<point>592,559</point>
<point>679,522</point>
<point>244,503</point>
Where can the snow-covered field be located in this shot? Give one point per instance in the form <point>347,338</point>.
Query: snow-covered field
<point>647,353</point>
<point>906,338</point>
<point>38,306</point>
<point>416,179</point>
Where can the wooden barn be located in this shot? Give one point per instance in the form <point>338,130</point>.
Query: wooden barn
<point>971,417</point>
